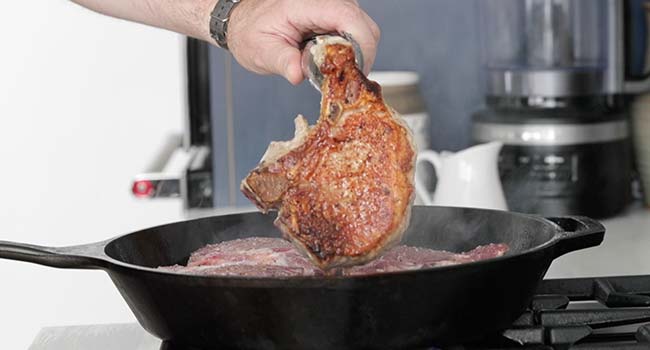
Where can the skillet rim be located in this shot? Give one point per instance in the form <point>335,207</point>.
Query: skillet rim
<point>325,280</point>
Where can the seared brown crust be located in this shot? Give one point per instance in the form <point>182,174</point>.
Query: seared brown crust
<point>344,192</point>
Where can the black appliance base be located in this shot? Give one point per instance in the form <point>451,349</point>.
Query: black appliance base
<point>571,159</point>
<point>591,179</point>
<point>168,345</point>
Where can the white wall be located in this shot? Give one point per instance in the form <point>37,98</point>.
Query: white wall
<point>85,100</point>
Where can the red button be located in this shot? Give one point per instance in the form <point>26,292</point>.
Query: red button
<point>143,188</point>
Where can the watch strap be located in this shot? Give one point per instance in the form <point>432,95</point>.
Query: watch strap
<point>219,21</point>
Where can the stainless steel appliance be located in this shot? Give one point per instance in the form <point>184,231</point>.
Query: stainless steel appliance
<point>183,167</point>
<point>558,75</point>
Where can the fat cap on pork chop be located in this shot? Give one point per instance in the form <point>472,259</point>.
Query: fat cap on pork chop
<point>343,188</point>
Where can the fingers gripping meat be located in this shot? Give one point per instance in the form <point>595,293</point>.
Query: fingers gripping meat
<point>343,187</point>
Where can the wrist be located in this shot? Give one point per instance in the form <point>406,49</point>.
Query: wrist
<point>204,25</point>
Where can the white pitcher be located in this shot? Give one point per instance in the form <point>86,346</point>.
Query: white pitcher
<point>469,178</point>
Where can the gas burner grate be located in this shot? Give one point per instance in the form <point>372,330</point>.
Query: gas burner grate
<point>582,313</point>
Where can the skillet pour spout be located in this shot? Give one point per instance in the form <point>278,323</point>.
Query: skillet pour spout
<point>422,308</point>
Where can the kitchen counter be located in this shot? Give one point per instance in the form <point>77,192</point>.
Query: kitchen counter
<point>625,250</point>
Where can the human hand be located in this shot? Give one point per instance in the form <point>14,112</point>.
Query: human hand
<point>265,35</point>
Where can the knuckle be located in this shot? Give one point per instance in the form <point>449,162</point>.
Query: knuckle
<point>258,62</point>
<point>376,31</point>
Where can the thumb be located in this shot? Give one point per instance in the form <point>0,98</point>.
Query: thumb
<point>282,58</point>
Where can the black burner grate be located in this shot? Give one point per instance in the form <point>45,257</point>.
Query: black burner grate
<point>582,313</point>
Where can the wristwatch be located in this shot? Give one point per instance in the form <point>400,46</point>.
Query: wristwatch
<point>219,21</point>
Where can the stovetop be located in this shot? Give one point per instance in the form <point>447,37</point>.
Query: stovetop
<point>583,313</point>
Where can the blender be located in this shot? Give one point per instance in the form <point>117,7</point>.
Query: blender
<point>558,75</point>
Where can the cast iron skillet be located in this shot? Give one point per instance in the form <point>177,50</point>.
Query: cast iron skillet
<point>436,306</point>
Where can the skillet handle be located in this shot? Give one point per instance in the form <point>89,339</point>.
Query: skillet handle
<point>579,232</point>
<point>64,257</point>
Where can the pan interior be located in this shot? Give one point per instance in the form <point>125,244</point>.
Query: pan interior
<point>441,228</point>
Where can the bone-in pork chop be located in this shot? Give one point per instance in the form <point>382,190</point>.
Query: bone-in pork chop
<point>343,187</point>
